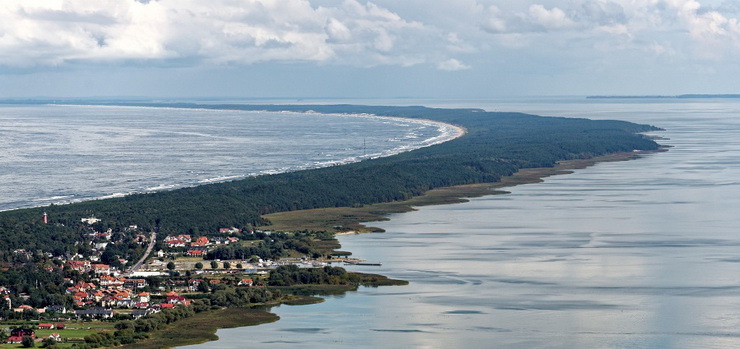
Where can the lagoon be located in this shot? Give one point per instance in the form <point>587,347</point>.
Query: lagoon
<point>643,253</point>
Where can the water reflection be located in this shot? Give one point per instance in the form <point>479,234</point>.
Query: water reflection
<point>632,254</point>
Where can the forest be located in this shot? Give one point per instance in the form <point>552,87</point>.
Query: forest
<point>496,144</point>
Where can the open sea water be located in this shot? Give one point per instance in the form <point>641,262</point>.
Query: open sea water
<point>62,153</point>
<point>636,254</point>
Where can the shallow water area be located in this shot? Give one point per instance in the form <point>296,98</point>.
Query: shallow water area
<point>639,254</point>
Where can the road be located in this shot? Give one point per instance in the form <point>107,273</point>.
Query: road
<point>152,242</point>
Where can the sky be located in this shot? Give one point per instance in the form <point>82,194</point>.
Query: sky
<point>367,49</point>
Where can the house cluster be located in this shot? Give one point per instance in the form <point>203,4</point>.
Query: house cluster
<point>112,292</point>
<point>85,266</point>
<point>193,285</point>
<point>197,247</point>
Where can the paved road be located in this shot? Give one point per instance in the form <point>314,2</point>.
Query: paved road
<point>152,241</point>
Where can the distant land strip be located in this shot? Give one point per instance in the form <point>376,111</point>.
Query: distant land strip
<point>684,96</point>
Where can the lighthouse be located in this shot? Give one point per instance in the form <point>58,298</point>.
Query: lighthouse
<point>46,218</point>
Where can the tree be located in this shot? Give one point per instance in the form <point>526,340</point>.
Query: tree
<point>214,264</point>
<point>171,266</point>
<point>48,342</point>
<point>239,266</point>
<point>199,265</point>
<point>227,265</point>
<point>28,342</point>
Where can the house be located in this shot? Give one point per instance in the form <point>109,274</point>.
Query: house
<point>245,282</point>
<point>219,240</point>
<point>22,332</point>
<point>90,220</point>
<point>194,284</point>
<point>196,252</point>
<point>96,312</point>
<point>111,282</point>
<point>23,308</point>
<point>135,283</point>
<point>81,266</point>
<point>101,269</point>
<point>46,326</point>
<point>138,313</point>
<point>200,242</point>
<point>144,297</point>
<point>56,309</point>
<point>174,298</point>
<point>177,240</point>
<point>61,326</point>
<point>55,336</point>
<point>14,339</point>
<point>107,235</point>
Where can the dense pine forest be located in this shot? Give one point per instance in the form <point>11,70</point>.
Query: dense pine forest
<point>496,144</point>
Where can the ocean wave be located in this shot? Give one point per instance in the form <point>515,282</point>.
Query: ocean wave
<point>55,198</point>
<point>416,134</point>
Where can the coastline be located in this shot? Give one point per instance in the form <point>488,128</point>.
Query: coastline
<point>452,195</point>
<point>447,132</point>
<point>350,220</point>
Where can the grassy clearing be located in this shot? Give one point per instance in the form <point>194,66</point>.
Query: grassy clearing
<point>73,332</point>
<point>343,219</point>
<point>202,327</point>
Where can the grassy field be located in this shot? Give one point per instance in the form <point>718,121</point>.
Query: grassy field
<point>74,331</point>
<point>202,327</point>
<point>344,219</point>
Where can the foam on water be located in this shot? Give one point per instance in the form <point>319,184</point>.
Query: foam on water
<point>62,153</point>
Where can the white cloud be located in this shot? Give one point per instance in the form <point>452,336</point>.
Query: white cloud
<point>660,27</point>
<point>550,19</point>
<point>495,34</point>
<point>452,65</point>
<point>219,31</point>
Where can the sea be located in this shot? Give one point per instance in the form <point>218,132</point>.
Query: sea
<point>634,254</point>
<point>55,154</point>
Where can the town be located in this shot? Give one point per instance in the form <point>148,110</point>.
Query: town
<point>127,275</point>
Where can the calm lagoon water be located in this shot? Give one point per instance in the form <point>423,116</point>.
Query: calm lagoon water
<point>56,154</point>
<point>636,254</point>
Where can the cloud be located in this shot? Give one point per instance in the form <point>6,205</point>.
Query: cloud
<point>452,65</point>
<point>656,27</point>
<point>363,33</point>
<point>219,31</point>
<point>549,19</point>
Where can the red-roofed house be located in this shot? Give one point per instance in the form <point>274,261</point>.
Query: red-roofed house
<point>174,298</point>
<point>196,252</point>
<point>101,269</point>
<point>81,266</point>
<point>201,242</point>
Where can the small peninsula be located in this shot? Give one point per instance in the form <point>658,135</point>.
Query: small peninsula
<point>214,248</point>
